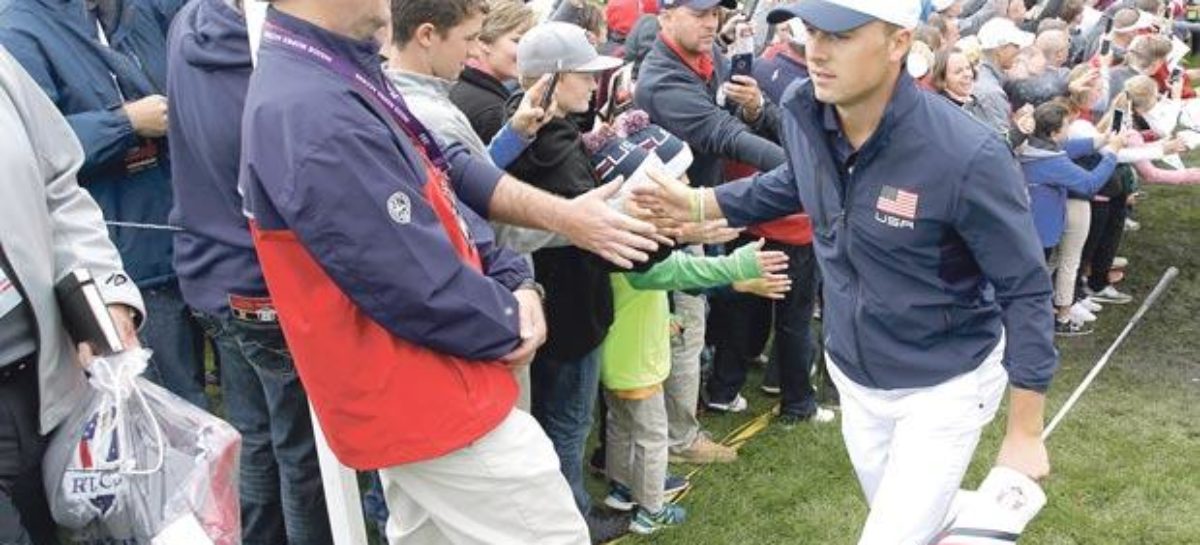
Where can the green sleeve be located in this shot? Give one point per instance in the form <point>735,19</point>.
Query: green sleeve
<point>683,271</point>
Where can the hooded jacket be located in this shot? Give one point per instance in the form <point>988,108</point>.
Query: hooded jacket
<point>925,241</point>
<point>209,56</point>
<point>1052,175</point>
<point>58,43</point>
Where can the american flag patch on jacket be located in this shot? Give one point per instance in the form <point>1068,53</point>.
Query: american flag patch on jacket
<point>897,202</point>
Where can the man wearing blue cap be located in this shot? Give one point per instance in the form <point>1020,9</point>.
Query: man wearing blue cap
<point>935,288</point>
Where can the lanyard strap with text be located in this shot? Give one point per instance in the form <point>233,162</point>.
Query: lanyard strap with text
<point>390,100</point>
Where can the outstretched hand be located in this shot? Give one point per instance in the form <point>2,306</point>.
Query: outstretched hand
<point>667,197</point>
<point>596,227</point>
<point>774,283</point>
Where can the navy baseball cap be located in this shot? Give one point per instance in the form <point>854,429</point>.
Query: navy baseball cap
<point>698,5</point>
<point>845,15</point>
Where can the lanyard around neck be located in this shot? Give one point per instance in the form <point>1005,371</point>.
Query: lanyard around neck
<point>387,97</point>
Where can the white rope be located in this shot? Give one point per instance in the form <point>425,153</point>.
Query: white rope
<point>1087,381</point>
<point>149,226</point>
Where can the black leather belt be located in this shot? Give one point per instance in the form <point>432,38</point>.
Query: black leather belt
<point>17,369</point>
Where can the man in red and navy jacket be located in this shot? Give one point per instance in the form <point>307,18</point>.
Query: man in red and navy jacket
<point>403,315</point>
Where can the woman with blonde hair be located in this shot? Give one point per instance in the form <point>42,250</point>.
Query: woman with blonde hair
<point>481,91</point>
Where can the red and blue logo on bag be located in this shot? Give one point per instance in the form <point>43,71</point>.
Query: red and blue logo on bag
<point>92,475</point>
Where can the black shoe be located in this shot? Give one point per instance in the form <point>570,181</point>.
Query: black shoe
<point>596,463</point>
<point>605,526</point>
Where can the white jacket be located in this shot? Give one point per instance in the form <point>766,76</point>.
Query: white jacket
<point>48,227</point>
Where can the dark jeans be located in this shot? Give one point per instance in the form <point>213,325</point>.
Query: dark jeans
<point>177,342</point>
<point>1104,238</point>
<point>24,514</point>
<point>283,500</point>
<point>562,399</point>
<point>741,324</point>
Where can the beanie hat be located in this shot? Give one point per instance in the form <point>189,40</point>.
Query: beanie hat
<point>614,156</point>
<point>674,153</point>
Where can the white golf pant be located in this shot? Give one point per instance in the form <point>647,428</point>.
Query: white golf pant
<point>911,447</point>
<point>503,489</point>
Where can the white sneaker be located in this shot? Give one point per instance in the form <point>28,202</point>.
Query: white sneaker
<point>1111,295</point>
<point>823,416</point>
<point>739,404</point>
<point>1081,314</point>
<point>1090,305</point>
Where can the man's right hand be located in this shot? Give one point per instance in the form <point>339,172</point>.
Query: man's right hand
<point>667,197</point>
<point>148,116</point>
<point>124,319</point>
<point>596,227</point>
<point>533,328</point>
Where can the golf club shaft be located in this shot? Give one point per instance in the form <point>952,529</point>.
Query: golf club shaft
<point>1087,381</point>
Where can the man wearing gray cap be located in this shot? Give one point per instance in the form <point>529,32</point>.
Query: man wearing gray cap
<point>935,288</point>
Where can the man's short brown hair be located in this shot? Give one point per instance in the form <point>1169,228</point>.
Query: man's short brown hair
<point>444,15</point>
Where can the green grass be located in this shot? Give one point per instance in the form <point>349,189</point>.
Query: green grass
<point>1126,462</point>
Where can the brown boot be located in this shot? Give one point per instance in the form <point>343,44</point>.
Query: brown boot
<point>704,451</point>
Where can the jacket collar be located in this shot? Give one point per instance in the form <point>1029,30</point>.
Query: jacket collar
<point>986,66</point>
<point>701,65</point>
<point>364,54</point>
<point>905,97</point>
<point>420,84</point>
<point>1038,148</point>
<point>483,80</point>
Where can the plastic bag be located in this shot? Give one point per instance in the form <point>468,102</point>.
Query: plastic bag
<point>135,464</point>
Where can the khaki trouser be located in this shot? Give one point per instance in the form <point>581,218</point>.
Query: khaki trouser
<point>682,387</point>
<point>636,453</point>
<point>503,489</point>
<point>1069,252</point>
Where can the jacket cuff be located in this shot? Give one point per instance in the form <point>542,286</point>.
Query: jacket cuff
<point>474,182</point>
<point>118,289</point>
<point>1040,387</point>
<point>124,127</point>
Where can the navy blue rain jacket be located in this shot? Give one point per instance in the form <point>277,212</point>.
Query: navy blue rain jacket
<point>926,242</point>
